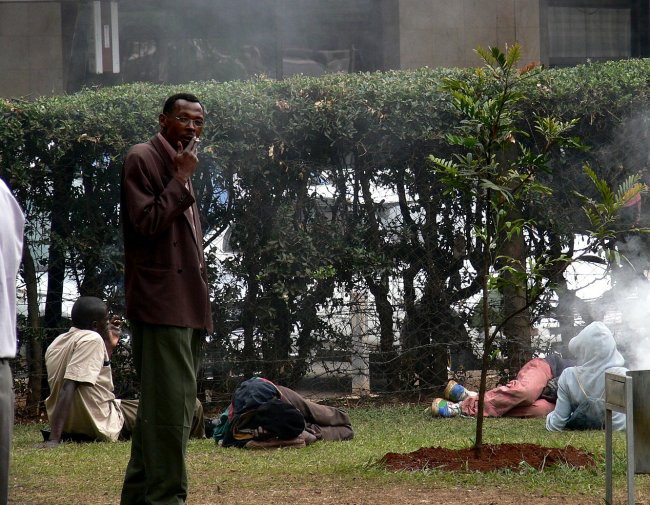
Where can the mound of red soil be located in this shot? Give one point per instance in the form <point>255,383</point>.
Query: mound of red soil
<point>492,457</point>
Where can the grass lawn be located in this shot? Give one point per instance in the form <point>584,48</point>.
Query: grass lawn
<point>340,473</point>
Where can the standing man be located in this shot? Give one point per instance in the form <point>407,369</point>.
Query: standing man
<point>12,224</point>
<point>166,299</point>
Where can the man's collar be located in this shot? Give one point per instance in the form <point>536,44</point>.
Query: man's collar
<point>170,150</point>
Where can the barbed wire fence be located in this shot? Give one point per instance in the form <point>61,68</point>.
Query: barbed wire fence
<point>352,363</point>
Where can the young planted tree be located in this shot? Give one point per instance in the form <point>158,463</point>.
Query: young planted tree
<point>498,166</point>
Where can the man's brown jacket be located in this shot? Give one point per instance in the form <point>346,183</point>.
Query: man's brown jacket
<point>165,275</point>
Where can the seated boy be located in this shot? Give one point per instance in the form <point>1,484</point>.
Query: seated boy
<point>81,405</point>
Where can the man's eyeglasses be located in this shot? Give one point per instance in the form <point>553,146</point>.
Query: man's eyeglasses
<point>185,121</point>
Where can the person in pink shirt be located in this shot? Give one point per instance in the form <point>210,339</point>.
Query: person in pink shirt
<point>521,397</point>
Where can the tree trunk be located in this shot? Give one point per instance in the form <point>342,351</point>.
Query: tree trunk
<point>89,257</point>
<point>485,358</point>
<point>34,337</point>
<point>380,287</point>
<point>565,313</point>
<point>487,342</point>
<point>63,175</point>
<point>380,291</point>
<point>518,329</point>
<point>309,322</point>
<point>276,350</point>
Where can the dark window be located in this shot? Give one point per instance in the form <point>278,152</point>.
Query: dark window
<point>172,42</point>
<point>319,37</point>
<point>578,31</point>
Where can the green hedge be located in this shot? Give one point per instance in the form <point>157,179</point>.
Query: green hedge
<point>266,147</point>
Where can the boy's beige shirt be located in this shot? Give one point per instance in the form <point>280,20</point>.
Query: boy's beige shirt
<point>80,355</point>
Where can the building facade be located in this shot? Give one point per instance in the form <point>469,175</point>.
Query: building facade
<point>53,47</point>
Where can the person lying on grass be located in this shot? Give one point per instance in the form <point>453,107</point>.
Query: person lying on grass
<point>82,405</point>
<point>263,415</point>
<point>530,394</point>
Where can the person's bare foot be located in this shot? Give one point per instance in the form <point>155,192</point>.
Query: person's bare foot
<point>309,438</point>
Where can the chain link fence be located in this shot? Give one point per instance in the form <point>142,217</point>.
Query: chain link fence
<point>350,359</point>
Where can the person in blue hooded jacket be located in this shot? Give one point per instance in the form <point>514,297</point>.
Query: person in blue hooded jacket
<point>595,351</point>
